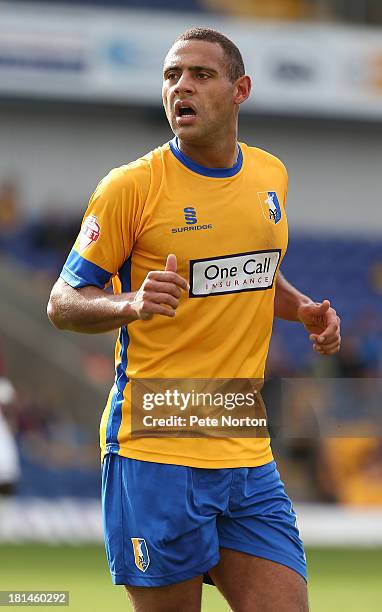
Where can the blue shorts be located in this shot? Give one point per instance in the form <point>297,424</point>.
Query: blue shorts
<point>165,523</point>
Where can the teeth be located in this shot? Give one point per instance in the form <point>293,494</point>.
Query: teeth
<point>186,111</point>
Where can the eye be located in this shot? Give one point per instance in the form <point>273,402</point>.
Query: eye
<point>170,76</point>
<point>202,75</point>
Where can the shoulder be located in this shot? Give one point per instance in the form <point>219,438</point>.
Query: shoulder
<point>135,176</point>
<point>129,175</point>
<point>259,156</point>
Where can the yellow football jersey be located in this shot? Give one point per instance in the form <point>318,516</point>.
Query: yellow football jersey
<point>228,229</point>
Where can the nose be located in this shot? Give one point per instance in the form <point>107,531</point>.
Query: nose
<point>184,84</point>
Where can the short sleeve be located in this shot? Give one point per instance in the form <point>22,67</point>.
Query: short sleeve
<point>108,229</point>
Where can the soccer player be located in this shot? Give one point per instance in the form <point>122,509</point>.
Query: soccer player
<point>192,236</point>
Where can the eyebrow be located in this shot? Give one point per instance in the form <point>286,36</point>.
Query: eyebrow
<point>192,68</point>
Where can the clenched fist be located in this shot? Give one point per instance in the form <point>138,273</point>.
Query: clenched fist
<point>160,292</point>
<point>323,325</point>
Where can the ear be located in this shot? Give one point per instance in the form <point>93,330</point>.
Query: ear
<point>242,90</point>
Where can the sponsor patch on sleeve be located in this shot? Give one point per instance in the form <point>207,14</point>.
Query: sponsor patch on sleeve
<point>90,232</point>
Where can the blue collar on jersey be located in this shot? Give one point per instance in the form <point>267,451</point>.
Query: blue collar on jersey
<point>199,169</point>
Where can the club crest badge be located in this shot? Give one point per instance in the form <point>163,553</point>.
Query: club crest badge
<point>141,553</point>
<point>270,205</point>
<point>90,232</point>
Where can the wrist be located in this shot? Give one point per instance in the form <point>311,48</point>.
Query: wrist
<point>303,303</point>
<point>128,313</point>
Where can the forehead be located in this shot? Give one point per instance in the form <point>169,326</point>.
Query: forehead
<point>196,53</point>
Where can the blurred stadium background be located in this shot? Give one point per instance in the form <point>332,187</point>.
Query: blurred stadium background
<point>79,94</point>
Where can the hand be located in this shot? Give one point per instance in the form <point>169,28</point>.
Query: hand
<point>323,325</point>
<point>160,292</point>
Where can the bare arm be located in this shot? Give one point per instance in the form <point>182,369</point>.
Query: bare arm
<point>288,300</point>
<point>319,318</point>
<point>91,310</point>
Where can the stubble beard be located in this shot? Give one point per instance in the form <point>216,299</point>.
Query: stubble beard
<point>201,135</point>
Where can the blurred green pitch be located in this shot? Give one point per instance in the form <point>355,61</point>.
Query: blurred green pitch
<point>347,579</point>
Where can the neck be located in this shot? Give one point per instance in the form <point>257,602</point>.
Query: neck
<point>219,154</point>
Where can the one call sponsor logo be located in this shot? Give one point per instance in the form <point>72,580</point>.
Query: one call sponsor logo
<point>90,232</point>
<point>251,271</point>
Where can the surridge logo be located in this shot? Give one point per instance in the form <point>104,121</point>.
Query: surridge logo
<point>141,553</point>
<point>191,220</point>
<point>190,215</point>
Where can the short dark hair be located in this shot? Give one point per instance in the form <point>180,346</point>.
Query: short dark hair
<point>235,64</point>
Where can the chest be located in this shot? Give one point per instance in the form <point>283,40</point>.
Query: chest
<point>215,218</point>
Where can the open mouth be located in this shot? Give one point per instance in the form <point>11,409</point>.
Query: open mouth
<point>186,111</point>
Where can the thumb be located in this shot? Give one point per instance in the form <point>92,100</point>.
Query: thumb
<point>316,308</point>
<point>323,307</point>
<point>171,264</point>
<point>312,310</point>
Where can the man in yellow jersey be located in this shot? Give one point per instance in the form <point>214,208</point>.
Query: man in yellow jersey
<point>192,236</point>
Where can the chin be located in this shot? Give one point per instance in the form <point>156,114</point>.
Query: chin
<point>188,134</point>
